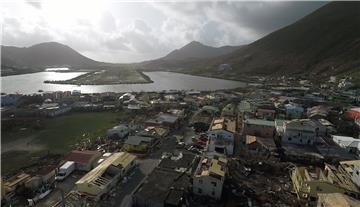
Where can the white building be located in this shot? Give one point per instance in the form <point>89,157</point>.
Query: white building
<point>351,144</point>
<point>209,177</point>
<point>221,136</point>
<point>54,109</point>
<point>300,131</point>
<point>352,167</point>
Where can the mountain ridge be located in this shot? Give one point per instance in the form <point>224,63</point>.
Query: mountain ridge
<point>325,42</point>
<point>195,50</point>
<point>42,55</point>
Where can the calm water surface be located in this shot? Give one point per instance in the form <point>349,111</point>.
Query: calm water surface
<point>32,83</point>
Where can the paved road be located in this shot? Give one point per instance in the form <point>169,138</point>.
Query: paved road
<point>123,193</point>
<point>67,185</point>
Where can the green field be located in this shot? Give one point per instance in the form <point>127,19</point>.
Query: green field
<point>107,77</point>
<point>356,78</point>
<point>58,136</point>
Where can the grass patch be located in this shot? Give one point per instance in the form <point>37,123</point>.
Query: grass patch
<point>62,132</point>
<point>14,160</point>
<point>107,77</point>
<point>356,78</point>
<point>59,136</point>
<point>16,133</point>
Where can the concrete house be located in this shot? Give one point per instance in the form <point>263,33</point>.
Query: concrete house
<point>351,144</point>
<point>84,160</point>
<point>118,132</point>
<point>259,146</point>
<point>266,112</point>
<point>244,109</point>
<point>318,112</point>
<point>164,120</point>
<point>44,176</point>
<point>300,131</point>
<point>47,174</point>
<point>325,127</point>
<point>221,136</point>
<point>293,111</point>
<point>209,177</point>
<point>138,144</point>
<point>54,109</point>
<point>101,179</point>
<point>259,127</point>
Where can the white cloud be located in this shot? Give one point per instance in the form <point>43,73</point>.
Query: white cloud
<point>127,32</point>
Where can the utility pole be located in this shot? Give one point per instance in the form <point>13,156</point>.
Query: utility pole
<point>62,195</point>
<point>62,198</point>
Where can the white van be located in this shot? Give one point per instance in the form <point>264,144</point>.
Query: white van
<point>65,170</point>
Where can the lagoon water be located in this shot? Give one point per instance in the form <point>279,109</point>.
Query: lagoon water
<point>32,83</point>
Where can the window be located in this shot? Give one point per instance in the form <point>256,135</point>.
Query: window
<point>213,183</point>
<point>289,138</point>
<point>200,191</point>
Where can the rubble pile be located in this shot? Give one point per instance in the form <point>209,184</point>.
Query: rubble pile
<point>262,182</point>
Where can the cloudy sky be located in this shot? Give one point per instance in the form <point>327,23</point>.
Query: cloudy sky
<point>123,31</point>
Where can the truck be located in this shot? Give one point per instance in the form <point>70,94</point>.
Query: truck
<point>65,170</point>
<point>43,192</point>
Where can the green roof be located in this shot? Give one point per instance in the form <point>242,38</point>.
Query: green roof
<point>244,106</point>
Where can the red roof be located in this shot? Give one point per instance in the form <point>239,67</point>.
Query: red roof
<point>81,156</point>
<point>354,113</point>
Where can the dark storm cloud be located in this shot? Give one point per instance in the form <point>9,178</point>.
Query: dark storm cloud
<point>265,17</point>
<point>242,18</point>
<point>128,32</point>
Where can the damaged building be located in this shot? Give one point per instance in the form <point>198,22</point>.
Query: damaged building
<point>101,179</point>
<point>209,177</point>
